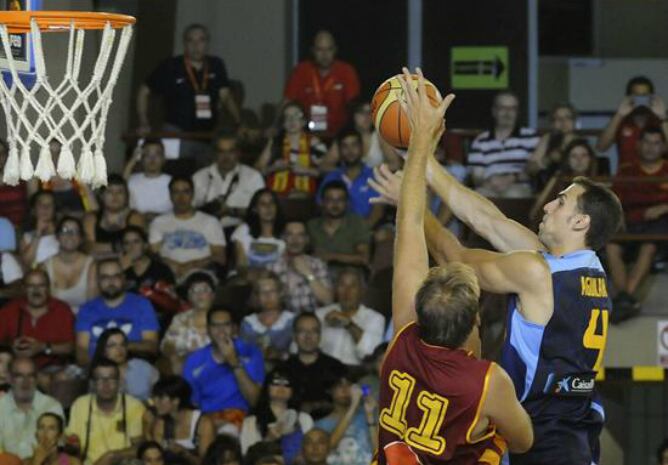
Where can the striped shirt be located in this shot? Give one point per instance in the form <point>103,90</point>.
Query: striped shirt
<point>502,156</point>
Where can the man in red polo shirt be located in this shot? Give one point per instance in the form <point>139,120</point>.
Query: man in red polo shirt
<point>324,86</point>
<point>639,109</point>
<point>37,325</point>
<point>646,210</point>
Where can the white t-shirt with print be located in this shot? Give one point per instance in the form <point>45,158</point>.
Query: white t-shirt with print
<point>260,251</point>
<point>185,240</point>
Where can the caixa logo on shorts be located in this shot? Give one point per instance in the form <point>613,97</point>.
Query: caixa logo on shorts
<point>574,385</point>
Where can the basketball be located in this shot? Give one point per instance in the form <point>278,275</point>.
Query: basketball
<point>387,115</point>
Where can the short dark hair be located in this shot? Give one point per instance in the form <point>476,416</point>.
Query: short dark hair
<point>104,362</point>
<point>659,452</point>
<point>200,277</point>
<point>652,130</point>
<point>226,134</point>
<point>349,131</point>
<point>447,305</point>
<point>222,444</point>
<point>153,141</point>
<point>134,229</point>
<point>68,218</point>
<point>55,416</point>
<point>105,261</point>
<point>305,316</point>
<point>195,26</point>
<point>181,178</point>
<point>214,310</point>
<point>174,387</point>
<point>334,185</point>
<point>639,81</point>
<point>604,210</point>
<point>146,445</point>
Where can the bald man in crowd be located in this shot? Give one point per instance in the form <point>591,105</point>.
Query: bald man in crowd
<point>324,86</point>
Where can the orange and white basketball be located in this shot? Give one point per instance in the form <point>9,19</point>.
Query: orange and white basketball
<point>388,116</point>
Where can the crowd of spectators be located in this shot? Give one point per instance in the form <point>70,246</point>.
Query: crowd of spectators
<point>219,314</point>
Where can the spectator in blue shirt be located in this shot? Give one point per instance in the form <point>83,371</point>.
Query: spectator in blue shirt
<point>115,308</point>
<point>226,376</point>
<point>355,174</point>
<point>7,235</point>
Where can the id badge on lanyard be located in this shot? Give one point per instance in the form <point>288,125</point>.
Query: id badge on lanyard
<point>203,106</point>
<point>202,98</point>
<point>318,111</point>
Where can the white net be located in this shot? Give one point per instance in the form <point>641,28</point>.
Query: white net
<point>72,112</point>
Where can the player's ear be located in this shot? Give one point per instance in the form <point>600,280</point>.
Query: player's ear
<point>582,222</point>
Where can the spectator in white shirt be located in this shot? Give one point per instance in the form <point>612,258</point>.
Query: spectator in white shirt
<point>350,331</point>
<point>258,242</point>
<point>225,188</point>
<point>149,188</point>
<point>187,239</point>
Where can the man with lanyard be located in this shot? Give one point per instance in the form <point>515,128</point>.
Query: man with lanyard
<point>194,86</point>
<point>324,86</point>
<point>224,189</point>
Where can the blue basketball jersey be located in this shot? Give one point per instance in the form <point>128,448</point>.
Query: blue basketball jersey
<point>553,366</point>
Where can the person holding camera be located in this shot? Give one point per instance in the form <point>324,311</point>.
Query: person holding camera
<point>641,108</point>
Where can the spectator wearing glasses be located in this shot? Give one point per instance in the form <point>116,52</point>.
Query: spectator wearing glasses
<point>277,417</point>
<point>21,407</point>
<point>39,326</point>
<point>107,422</point>
<point>116,308</point>
<point>226,375</point>
<point>71,271</point>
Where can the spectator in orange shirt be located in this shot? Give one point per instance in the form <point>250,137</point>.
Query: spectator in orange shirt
<point>639,109</point>
<point>646,211</point>
<point>324,86</point>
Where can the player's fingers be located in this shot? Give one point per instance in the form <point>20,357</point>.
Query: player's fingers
<point>377,186</point>
<point>421,86</point>
<point>445,103</point>
<point>408,87</point>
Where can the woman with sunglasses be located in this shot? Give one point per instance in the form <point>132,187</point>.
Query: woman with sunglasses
<point>185,433</point>
<point>277,417</point>
<point>71,271</point>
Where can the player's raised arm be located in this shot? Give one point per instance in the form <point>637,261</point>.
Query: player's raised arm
<point>411,261</point>
<point>480,214</point>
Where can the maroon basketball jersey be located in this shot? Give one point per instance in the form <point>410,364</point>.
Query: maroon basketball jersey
<point>430,399</point>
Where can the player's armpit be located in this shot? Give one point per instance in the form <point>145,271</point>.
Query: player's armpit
<point>503,409</point>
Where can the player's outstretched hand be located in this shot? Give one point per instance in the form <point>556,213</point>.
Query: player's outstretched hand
<point>423,116</point>
<point>387,184</point>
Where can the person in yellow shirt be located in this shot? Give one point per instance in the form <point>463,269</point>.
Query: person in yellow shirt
<point>107,422</point>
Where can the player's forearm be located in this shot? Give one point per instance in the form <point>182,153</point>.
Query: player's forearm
<point>466,204</point>
<point>442,244</point>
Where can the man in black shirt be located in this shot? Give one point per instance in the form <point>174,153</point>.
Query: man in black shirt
<point>313,371</point>
<point>194,87</point>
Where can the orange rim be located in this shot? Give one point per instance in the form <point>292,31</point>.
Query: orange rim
<point>18,22</point>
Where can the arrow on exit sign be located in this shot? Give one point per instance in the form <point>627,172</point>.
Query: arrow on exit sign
<point>479,67</point>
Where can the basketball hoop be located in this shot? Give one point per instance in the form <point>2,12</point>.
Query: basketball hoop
<point>74,114</point>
